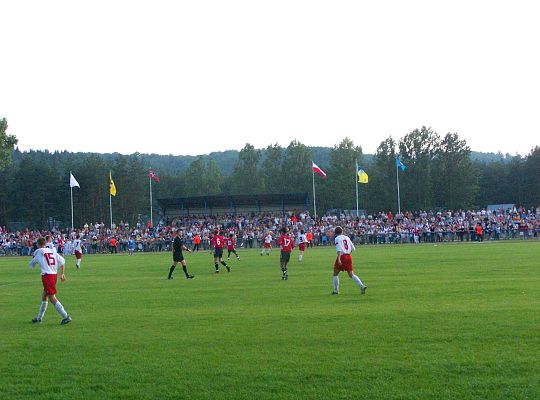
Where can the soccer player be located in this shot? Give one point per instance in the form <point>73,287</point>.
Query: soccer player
<point>267,246</point>
<point>49,242</point>
<point>49,261</point>
<point>302,241</point>
<point>287,245</point>
<point>344,248</point>
<point>231,247</point>
<point>77,249</point>
<point>217,244</point>
<point>178,256</point>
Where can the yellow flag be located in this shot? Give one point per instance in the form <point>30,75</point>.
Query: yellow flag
<point>362,176</point>
<point>112,188</point>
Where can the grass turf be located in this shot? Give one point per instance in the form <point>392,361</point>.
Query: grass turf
<point>437,322</point>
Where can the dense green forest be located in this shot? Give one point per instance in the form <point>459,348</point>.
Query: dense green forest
<point>441,172</point>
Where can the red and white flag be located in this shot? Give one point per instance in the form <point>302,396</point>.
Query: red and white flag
<point>318,170</point>
<point>153,175</point>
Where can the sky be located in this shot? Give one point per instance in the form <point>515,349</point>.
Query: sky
<point>193,77</point>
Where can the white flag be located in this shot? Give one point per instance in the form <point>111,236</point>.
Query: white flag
<point>73,182</point>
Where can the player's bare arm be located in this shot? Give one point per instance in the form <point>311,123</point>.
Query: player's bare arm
<point>62,276</point>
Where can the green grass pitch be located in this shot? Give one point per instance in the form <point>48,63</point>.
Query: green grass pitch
<point>437,322</point>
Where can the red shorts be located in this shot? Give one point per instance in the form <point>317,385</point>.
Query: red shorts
<point>346,263</point>
<point>302,246</point>
<point>267,245</point>
<point>49,283</point>
<point>78,255</point>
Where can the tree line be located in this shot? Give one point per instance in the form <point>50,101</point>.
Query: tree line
<point>440,173</point>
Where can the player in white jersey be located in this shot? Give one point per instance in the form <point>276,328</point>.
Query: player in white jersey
<point>49,242</point>
<point>267,245</point>
<point>77,250</point>
<point>302,241</point>
<point>49,262</point>
<point>344,248</point>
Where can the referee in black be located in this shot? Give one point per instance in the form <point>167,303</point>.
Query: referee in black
<point>178,246</point>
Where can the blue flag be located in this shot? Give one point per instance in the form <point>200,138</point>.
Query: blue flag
<point>400,164</point>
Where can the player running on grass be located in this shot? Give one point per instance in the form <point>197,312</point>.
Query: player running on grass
<point>344,248</point>
<point>178,256</point>
<point>267,245</point>
<point>49,261</point>
<point>231,243</point>
<point>217,244</point>
<point>77,250</point>
<point>287,245</point>
<point>302,242</point>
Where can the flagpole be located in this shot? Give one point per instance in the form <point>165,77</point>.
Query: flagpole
<point>110,196</point>
<point>71,188</point>
<point>314,201</point>
<point>151,219</point>
<point>398,199</point>
<point>356,180</point>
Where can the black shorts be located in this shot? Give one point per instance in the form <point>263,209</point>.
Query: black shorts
<point>177,256</point>
<point>285,257</point>
<point>218,252</point>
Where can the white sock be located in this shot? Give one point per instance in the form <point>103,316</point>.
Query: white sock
<point>78,263</point>
<point>42,309</point>
<point>336,283</point>
<point>60,308</point>
<point>357,281</point>
<point>300,257</point>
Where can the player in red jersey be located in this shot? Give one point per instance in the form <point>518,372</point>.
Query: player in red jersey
<point>231,247</point>
<point>344,248</point>
<point>287,245</point>
<point>217,244</point>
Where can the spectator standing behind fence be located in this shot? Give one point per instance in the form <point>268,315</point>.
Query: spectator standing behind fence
<point>479,233</point>
<point>131,245</point>
<point>309,238</point>
<point>196,242</point>
<point>113,243</point>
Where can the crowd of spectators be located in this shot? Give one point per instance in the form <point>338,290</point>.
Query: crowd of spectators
<point>379,228</point>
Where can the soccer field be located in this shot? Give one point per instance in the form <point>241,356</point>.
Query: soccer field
<point>437,322</point>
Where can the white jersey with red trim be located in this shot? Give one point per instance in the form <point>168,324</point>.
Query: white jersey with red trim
<point>268,239</point>
<point>48,260</point>
<point>302,238</point>
<point>344,244</point>
<point>77,245</point>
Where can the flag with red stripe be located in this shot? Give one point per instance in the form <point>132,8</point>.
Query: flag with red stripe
<point>318,170</point>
